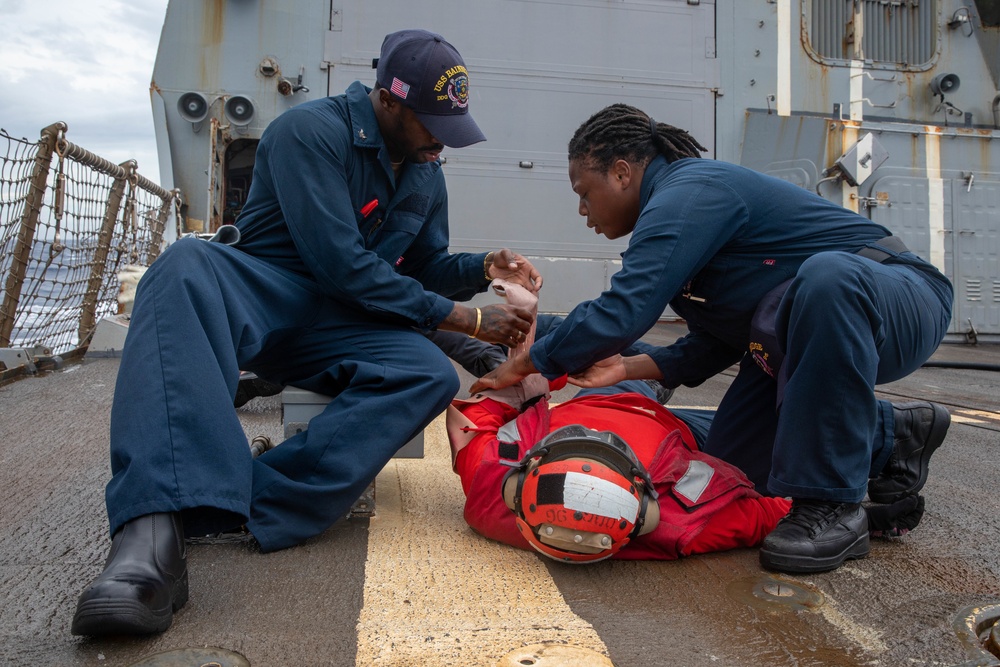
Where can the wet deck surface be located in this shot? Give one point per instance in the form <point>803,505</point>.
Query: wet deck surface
<point>415,586</point>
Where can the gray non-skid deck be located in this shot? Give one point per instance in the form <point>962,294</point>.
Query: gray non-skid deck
<point>415,586</point>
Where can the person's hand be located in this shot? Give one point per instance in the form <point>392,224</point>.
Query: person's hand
<point>509,372</point>
<point>497,323</point>
<point>504,324</point>
<point>513,267</point>
<point>604,373</point>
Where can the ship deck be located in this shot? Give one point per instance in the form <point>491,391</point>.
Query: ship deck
<point>413,585</point>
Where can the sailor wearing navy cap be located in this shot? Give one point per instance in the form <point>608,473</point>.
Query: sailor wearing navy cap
<point>427,75</point>
<point>341,263</point>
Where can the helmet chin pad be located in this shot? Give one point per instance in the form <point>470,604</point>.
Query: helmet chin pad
<point>573,540</point>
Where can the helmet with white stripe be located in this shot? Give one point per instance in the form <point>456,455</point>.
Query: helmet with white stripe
<point>581,495</point>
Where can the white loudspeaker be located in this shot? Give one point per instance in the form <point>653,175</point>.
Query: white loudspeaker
<point>943,84</point>
<point>239,110</point>
<point>193,107</point>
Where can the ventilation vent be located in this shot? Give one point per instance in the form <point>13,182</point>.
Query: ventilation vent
<point>901,32</point>
<point>973,289</point>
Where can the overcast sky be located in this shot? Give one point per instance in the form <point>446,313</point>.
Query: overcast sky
<point>87,63</point>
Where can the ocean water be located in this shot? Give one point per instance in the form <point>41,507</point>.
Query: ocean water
<point>52,296</point>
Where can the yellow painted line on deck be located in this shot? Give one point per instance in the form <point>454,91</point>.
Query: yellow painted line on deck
<point>959,419</point>
<point>436,593</point>
<point>975,417</point>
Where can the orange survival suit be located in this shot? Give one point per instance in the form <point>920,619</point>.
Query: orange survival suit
<point>705,504</point>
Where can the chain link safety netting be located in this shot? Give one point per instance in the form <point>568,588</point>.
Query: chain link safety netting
<point>70,221</point>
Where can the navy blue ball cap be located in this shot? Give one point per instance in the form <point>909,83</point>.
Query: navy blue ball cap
<point>428,75</point>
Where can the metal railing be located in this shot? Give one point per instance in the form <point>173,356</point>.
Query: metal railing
<point>69,222</point>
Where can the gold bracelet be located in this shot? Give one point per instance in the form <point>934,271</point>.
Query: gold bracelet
<point>487,261</point>
<point>479,322</point>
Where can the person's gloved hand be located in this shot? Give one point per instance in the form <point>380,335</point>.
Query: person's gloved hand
<point>895,519</point>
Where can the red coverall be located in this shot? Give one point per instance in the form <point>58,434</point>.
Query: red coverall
<point>725,514</point>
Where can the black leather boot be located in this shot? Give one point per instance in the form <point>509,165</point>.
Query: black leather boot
<point>663,394</point>
<point>920,429</point>
<point>144,581</point>
<point>816,536</point>
<point>250,386</point>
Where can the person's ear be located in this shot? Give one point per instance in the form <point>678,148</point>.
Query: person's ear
<point>386,99</point>
<point>621,171</point>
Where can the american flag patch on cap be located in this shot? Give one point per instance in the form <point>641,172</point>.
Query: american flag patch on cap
<point>399,89</point>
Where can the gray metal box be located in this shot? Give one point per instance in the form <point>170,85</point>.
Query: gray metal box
<point>863,158</point>
<point>109,337</point>
<point>298,406</point>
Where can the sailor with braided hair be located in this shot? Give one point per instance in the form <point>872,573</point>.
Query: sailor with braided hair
<point>623,131</point>
<point>816,304</point>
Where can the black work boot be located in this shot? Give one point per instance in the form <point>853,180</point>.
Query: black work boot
<point>250,386</point>
<point>816,535</point>
<point>920,429</point>
<point>663,394</point>
<point>144,581</point>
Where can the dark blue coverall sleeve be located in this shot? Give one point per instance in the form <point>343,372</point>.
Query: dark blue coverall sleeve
<point>679,230</point>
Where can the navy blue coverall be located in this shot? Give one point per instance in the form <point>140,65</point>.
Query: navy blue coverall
<point>711,240</point>
<point>315,294</point>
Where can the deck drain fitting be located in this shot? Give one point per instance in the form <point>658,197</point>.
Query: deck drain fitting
<point>978,628</point>
<point>768,591</point>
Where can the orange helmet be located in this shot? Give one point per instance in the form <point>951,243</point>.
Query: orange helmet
<point>581,495</point>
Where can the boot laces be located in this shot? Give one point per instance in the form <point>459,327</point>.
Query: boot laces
<point>814,516</point>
